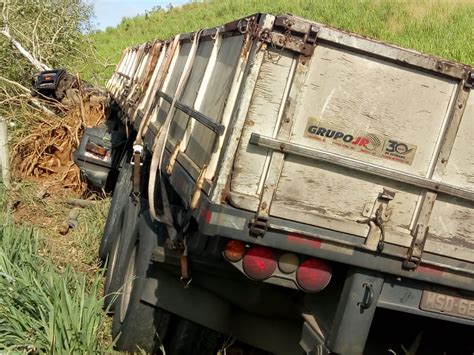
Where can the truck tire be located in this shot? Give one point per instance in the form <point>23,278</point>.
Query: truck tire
<point>126,224</point>
<point>121,193</point>
<point>137,324</point>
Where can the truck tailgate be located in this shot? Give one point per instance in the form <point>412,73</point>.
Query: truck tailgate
<point>376,104</point>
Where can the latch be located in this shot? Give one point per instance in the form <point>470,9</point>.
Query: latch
<point>309,41</point>
<point>311,35</point>
<point>136,163</point>
<point>376,236</point>
<point>416,249</point>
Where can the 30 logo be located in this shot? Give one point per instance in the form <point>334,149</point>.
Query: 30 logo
<point>397,147</point>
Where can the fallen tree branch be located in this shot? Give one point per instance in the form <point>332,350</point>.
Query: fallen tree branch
<point>34,102</point>
<point>36,63</point>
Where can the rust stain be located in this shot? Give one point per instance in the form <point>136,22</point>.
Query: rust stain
<point>249,122</point>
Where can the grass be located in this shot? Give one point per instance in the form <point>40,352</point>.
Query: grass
<point>43,309</point>
<point>54,303</point>
<point>438,27</point>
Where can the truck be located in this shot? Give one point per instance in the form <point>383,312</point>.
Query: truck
<point>289,186</point>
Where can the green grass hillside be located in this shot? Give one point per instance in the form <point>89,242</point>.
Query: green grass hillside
<point>442,28</point>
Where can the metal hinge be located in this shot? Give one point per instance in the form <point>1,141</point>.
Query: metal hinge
<point>469,83</point>
<point>416,249</point>
<point>198,187</point>
<point>258,225</point>
<point>292,34</point>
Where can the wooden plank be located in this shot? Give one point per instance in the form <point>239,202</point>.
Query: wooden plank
<point>256,56</point>
<point>262,118</point>
<point>452,220</point>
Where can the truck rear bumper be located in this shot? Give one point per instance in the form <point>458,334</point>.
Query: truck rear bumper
<point>226,221</point>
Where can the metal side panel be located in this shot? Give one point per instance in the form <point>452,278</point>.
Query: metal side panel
<point>137,84</point>
<point>190,91</point>
<point>452,220</point>
<point>170,84</point>
<point>214,99</point>
<point>251,162</point>
<point>126,74</point>
<point>146,99</point>
<point>121,71</point>
<point>373,111</point>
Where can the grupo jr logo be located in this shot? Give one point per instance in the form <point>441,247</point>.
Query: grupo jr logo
<point>361,141</point>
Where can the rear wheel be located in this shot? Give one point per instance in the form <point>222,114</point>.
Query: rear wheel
<point>116,264</point>
<point>120,196</point>
<point>138,324</point>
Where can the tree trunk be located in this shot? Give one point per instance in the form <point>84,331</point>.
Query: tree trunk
<point>36,63</point>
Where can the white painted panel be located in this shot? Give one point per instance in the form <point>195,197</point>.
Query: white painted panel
<point>352,93</point>
<point>261,118</point>
<point>151,89</point>
<point>357,93</point>
<point>171,83</point>
<point>452,220</point>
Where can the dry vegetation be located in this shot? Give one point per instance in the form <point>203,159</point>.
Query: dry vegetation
<point>45,152</point>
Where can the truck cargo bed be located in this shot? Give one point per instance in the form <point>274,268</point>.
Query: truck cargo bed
<point>298,129</point>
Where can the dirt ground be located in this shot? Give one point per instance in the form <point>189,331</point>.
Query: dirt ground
<point>47,185</point>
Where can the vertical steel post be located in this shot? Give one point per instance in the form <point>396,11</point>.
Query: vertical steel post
<point>4,154</point>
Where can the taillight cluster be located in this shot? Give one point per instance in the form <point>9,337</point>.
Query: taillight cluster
<point>263,263</point>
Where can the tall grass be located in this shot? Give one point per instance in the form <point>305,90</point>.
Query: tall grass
<point>440,27</point>
<point>42,309</point>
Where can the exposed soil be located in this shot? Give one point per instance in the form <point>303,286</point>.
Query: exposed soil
<point>46,179</point>
<point>45,154</point>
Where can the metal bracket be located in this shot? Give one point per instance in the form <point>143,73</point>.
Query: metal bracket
<point>311,35</point>
<point>416,249</point>
<point>297,36</point>
<point>172,160</point>
<point>197,187</point>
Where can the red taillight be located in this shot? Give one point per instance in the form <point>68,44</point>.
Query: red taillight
<point>259,263</point>
<point>234,250</point>
<point>313,275</point>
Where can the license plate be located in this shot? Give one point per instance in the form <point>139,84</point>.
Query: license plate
<point>448,303</point>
